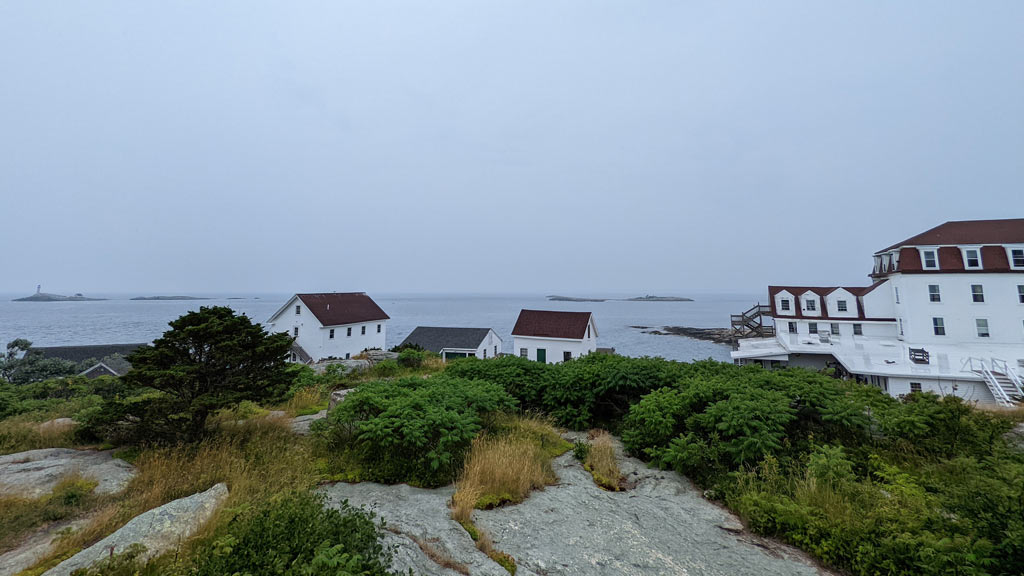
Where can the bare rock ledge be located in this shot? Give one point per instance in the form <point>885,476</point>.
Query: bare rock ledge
<point>159,530</point>
<point>34,473</point>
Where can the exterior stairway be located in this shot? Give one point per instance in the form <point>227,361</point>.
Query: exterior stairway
<point>1002,381</point>
<point>750,324</point>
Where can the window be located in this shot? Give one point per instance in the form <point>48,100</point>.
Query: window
<point>348,355</point>
<point>522,352</point>
<point>930,262</point>
<point>485,353</point>
<point>785,304</point>
<point>495,350</point>
<point>588,330</point>
<point>812,327</point>
<point>295,331</point>
<point>566,356</point>
<point>939,326</point>
<point>1020,293</point>
<point>841,305</point>
<point>348,331</point>
<point>362,330</point>
<point>858,329</point>
<point>298,309</point>
<point>792,328</point>
<point>378,328</point>
<point>1017,257</point>
<point>331,335</point>
<point>933,293</point>
<point>811,304</point>
<point>982,324</point>
<point>977,293</point>
<point>915,386</point>
<point>972,258</point>
<point>835,329</point>
<point>897,294</point>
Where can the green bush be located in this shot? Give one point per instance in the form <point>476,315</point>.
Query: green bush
<point>296,536</point>
<point>410,430</point>
<point>411,358</point>
<point>386,368</point>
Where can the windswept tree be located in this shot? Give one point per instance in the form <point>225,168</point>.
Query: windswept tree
<point>23,365</point>
<point>208,360</point>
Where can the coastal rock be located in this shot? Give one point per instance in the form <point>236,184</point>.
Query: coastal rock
<point>337,397</point>
<point>34,473</point>
<point>376,356</point>
<point>56,426</point>
<point>36,546</point>
<point>418,514</point>
<point>159,530</point>
<point>661,525</point>
<point>300,424</point>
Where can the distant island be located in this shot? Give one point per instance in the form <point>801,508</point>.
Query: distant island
<point>650,298</point>
<point>168,298</point>
<point>572,299</point>
<point>47,297</point>
<point>647,298</point>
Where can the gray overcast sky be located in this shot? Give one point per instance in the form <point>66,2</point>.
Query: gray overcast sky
<point>547,146</point>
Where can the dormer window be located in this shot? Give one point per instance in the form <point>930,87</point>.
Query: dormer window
<point>785,304</point>
<point>841,305</point>
<point>1017,257</point>
<point>972,258</point>
<point>929,260</point>
<point>810,304</point>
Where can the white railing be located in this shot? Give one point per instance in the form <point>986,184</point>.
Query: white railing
<point>1015,378</point>
<point>971,364</point>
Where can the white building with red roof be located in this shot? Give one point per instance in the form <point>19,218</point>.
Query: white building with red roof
<point>552,336</point>
<point>331,325</point>
<point>945,313</point>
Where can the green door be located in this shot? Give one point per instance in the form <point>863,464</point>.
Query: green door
<point>542,355</point>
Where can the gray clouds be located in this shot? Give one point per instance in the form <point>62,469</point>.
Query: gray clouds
<point>559,146</point>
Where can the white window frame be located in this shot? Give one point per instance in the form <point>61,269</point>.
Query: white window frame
<point>979,294</point>
<point>938,323</point>
<point>298,310</point>
<point>812,327</point>
<point>1020,293</point>
<point>794,328</point>
<point>858,329</point>
<point>842,306</point>
<point>924,258</point>
<point>330,334</point>
<point>936,296</point>
<point>1009,254</point>
<point>834,328</point>
<point>965,251</point>
<point>784,304</point>
<point>981,324</point>
<point>915,387</point>
<point>811,304</point>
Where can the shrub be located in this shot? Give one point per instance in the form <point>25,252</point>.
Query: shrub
<point>410,430</point>
<point>295,535</point>
<point>411,358</point>
<point>386,368</point>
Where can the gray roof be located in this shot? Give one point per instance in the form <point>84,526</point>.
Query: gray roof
<point>435,338</point>
<point>83,353</point>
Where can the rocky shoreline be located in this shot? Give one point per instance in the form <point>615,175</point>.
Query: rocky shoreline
<point>716,335</point>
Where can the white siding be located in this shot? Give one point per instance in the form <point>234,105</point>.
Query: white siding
<point>315,339</point>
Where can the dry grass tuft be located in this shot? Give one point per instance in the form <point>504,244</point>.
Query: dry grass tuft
<point>601,462</point>
<point>503,470</point>
<point>257,460</point>
<point>20,433</point>
<point>437,555</point>
<point>486,545</point>
<point>309,400</point>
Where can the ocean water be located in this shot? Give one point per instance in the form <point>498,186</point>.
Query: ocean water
<point>121,320</point>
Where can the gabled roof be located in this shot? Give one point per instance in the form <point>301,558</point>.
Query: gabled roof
<point>822,291</point>
<point>83,353</point>
<point>968,232</point>
<point>338,308</point>
<point>436,338</point>
<point>100,369</point>
<point>552,324</point>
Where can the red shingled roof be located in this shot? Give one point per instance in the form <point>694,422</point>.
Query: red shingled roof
<point>552,324</point>
<point>336,308</point>
<point>968,232</point>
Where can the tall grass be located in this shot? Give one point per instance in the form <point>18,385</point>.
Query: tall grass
<point>258,460</point>
<point>71,496</point>
<point>22,433</point>
<point>601,462</point>
<point>308,400</point>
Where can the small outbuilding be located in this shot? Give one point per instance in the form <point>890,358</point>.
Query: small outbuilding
<point>552,336</point>
<point>453,343</point>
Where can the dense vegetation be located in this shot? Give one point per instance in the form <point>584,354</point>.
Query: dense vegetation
<point>866,482</point>
<point>409,430</point>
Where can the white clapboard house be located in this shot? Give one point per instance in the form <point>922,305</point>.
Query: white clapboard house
<point>944,313</point>
<point>554,336</point>
<point>331,325</point>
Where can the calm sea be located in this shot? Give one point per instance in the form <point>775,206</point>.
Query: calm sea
<point>121,320</point>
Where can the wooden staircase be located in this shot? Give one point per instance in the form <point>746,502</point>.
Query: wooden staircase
<point>750,324</point>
